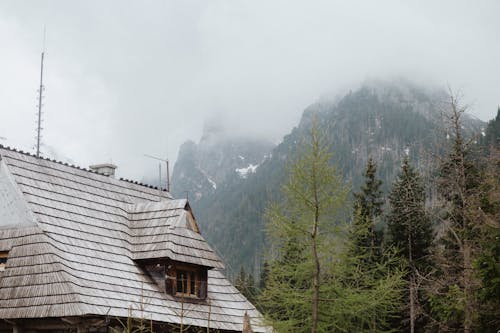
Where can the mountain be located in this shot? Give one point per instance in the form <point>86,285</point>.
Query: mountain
<point>384,120</point>
<point>219,160</point>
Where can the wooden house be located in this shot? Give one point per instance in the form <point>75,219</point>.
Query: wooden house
<point>81,251</point>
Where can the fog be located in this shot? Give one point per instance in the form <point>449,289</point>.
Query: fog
<point>128,78</point>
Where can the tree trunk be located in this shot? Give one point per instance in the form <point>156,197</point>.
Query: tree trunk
<point>467,274</point>
<point>315,314</point>
<point>412,304</point>
<point>314,326</point>
<point>412,280</point>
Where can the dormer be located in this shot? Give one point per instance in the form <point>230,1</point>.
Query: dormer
<point>168,245</point>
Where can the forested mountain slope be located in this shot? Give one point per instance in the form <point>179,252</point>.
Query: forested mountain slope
<point>231,180</point>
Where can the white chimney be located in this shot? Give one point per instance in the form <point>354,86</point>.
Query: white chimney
<point>106,169</point>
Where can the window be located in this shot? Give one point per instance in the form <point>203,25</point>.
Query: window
<point>178,279</point>
<point>3,259</point>
<point>186,280</point>
<point>187,283</point>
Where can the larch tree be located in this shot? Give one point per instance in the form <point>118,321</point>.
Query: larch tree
<point>299,231</point>
<point>310,285</point>
<point>410,231</point>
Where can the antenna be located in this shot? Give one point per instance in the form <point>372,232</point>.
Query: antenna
<point>40,97</point>
<point>168,169</point>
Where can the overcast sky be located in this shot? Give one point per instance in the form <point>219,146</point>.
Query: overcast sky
<point>127,78</point>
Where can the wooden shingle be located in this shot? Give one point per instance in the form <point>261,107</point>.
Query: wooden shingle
<point>81,256</point>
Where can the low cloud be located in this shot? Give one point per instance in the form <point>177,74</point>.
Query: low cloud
<point>135,78</point>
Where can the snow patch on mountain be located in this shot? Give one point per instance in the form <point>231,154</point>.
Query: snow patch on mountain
<point>214,185</point>
<point>243,172</point>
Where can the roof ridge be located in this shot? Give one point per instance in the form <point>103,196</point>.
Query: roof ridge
<point>74,166</point>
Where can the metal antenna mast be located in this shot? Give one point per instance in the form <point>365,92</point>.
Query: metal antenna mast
<point>39,124</point>
<point>40,97</point>
<point>168,169</point>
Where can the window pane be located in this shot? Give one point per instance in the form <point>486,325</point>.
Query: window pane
<point>192,282</point>
<point>181,281</point>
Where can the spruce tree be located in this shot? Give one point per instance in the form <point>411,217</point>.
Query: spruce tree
<point>491,137</point>
<point>487,263</point>
<point>246,284</point>
<point>410,231</point>
<point>367,212</point>
<point>455,300</point>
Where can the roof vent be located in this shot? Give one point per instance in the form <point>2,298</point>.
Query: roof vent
<point>106,169</point>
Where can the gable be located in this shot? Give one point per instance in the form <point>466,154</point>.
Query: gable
<point>14,210</point>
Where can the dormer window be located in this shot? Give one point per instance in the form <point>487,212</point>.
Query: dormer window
<point>187,283</point>
<point>190,280</point>
<point>179,279</point>
<point>3,260</point>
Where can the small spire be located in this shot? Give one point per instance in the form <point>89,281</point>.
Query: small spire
<point>247,327</point>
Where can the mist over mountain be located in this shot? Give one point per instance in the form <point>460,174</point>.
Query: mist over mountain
<point>230,180</point>
<point>220,159</point>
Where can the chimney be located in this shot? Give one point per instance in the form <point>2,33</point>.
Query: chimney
<point>106,169</point>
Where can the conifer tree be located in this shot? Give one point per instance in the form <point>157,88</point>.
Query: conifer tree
<point>246,284</point>
<point>299,229</point>
<point>491,137</point>
<point>455,299</point>
<point>311,286</point>
<point>487,263</point>
<point>367,212</point>
<point>410,231</point>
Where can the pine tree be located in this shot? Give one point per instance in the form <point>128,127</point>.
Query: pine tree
<point>410,231</point>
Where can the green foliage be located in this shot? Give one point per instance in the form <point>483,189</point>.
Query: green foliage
<point>245,283</point>
<point>378,120</point>
<point>410,231</point>
<point>466,220</point>
<point>366,233</point>
<point>352,297</point>
<point>409,226</point>
<point>299,229</point>
<point>487,263</point>
<point>491,136</point>
<point>449,305</point>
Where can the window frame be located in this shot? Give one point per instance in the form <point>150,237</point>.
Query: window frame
<point>192,281</point>
<point>196,278</point>
<point>4,256</point>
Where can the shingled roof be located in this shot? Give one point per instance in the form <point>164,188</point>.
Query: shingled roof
<point>75,238</point>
